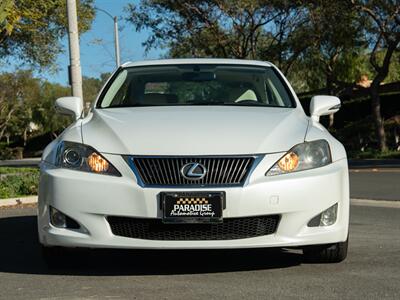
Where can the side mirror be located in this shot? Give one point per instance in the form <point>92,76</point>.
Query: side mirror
<point>323,105</point>
<point>72,106</point>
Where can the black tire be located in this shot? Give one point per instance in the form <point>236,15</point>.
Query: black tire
<point>332,253</point>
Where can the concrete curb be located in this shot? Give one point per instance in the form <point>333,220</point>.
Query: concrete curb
<point>376,203</point>
<point>18,201</point>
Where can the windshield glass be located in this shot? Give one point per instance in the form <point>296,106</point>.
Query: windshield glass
<point>196,85</point>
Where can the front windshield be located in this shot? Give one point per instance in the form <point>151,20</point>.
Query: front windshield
<point>196,85</point>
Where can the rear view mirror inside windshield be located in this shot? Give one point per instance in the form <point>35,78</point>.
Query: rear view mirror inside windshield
<point>199,76</point>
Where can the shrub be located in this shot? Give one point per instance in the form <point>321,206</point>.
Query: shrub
<point>18,182</point>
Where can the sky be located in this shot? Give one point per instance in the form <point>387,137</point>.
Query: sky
<point>97,44</point>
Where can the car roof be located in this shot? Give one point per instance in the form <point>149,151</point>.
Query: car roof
<point>180,61</point>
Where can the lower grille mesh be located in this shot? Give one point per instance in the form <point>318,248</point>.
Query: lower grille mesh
<point>230,229</point>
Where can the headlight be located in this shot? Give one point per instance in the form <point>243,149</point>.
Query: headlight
<point>305,156</point>
<point>81,157</point>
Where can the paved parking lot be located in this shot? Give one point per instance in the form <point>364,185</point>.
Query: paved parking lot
<point>372,270</point>
<point>380,184</point>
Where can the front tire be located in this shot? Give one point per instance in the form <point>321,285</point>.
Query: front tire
<point>332,253</point>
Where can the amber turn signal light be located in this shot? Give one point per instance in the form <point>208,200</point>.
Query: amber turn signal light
<point>289,162</point>
<point>97,163</point>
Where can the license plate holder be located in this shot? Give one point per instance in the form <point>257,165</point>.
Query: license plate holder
<point>192,207</point>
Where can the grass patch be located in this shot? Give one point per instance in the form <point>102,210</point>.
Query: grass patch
<point>16,182</point>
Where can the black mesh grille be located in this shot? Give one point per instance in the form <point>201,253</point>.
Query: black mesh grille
<point>230,229</point>
<point>166,171</point>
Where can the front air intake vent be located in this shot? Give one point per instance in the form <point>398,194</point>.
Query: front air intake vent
<point>230,229</point>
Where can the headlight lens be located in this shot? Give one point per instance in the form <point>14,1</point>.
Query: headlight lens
<point>305,156</point>
<point>81,157</point>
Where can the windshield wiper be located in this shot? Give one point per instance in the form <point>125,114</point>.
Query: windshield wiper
<point>199,103</point>
<point>130,105</point>
<point>250,102</point>
<point>206,103</point>
<point>240,103</point>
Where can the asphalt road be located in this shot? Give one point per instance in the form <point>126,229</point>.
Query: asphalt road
<point>371,271</point>
<point>378,184</point>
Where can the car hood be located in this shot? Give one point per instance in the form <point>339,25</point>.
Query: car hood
<point>194,130</point>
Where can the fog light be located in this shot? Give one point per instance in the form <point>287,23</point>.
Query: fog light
<point>58,219</point>
<point>326,218</point>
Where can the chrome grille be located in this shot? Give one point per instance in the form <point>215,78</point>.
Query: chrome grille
<point>166,171</point>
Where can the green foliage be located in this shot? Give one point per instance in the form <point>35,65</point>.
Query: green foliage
<point>91,87</point>
<point>6,152</point>
<point>18,182</point>
<point>16,171</point>
<point>372,153</point>
<point>44,113</point>
<point>356,134</point>
<point>31,30</point>
<point>235,29</point>
<point>394,68</point>
<point>333,55</point>
<point>320,44</point>
<point>7,19</point>
<point>27,108</point>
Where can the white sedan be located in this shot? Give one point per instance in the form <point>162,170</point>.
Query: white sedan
<point>196,154</point>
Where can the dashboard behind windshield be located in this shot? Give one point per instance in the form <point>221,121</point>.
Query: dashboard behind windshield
<point>191,84</point>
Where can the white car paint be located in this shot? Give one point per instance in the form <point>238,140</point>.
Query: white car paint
<point>173,125</point>
<point>268,132</point>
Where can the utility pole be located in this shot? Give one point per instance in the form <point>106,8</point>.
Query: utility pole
<point>74,69</point>
<point>116,36</point>
<point>116,40</point>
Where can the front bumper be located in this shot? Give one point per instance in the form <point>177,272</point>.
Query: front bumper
<point>90,198</point>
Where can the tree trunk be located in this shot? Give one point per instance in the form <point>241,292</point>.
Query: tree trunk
<point>377,116</point>
<point>329,87</point>
<point>331,120</point>
<point>25,136</point>
<point>382,72</point>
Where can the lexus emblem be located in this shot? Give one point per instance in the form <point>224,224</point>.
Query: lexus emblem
<point>193,171</point>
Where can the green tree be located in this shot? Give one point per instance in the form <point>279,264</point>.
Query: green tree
<point>91,87</point>
<point>18,92</point>
<point>383,34</point>
<point>334,43</point>
<point>27,107</point>
<point>31,30</point>
<point>219,28</point>
<point>44,113</point>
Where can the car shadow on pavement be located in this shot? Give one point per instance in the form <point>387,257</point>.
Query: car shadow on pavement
<point>20,252</point>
